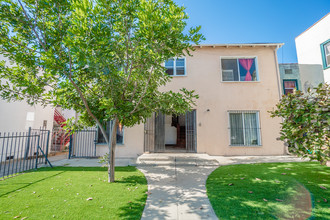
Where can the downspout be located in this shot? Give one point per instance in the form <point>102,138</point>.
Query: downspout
<point>285,149</point>
<point>277,74</point>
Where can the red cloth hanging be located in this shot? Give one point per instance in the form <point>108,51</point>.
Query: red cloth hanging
<point>289,84</point>
<point>247,64</point>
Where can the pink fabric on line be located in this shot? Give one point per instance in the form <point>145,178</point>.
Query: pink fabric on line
<point>247,64</point>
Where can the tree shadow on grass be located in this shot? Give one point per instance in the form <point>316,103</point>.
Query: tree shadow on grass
<point>27,184</point>
<point>134,208</point>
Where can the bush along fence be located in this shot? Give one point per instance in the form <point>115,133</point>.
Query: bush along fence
<point>22,151</point>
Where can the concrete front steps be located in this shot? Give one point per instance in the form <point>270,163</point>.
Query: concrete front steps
<point>176,159</point>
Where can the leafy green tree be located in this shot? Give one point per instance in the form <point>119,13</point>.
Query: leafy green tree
<point>102,58</point>
<point>306,123</point>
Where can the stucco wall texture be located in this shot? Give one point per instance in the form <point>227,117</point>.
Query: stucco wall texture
<point>203,74</point>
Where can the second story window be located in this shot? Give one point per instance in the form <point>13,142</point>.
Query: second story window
<point>239,69</point>
<point>176,67</point>
<point>288,71</point>
<point>325,48</point>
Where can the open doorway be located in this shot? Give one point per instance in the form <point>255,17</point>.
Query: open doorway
<point>175,133</point>
<point>171,133</point>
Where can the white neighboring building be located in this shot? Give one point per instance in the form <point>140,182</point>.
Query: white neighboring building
<point>19,116</point>
<point>313,46</point>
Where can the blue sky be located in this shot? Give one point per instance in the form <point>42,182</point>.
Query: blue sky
<point>256,21</point>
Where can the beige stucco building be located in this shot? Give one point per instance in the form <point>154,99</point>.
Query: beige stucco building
<point>237,85</point>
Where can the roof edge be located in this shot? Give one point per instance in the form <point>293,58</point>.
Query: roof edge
<point>313,25</point>
<point>278,45</point>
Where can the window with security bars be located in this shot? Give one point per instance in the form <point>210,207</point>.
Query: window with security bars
<point>244,128</point>
<point>119,136</point>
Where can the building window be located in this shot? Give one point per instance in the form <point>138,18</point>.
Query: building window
<point>289,86</point>
<point>176,67</point>
<point>288,71</point>
<point>239,69</point>
<point>244,128</point>
<point>119,137</point>
<point>325,49</point>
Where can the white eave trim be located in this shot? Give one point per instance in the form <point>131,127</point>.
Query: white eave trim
<point>278,45</point>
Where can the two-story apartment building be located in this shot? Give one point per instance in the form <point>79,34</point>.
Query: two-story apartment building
<point>237,85</point>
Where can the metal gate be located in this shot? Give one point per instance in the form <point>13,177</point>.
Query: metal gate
<point>159,133</point>
<point>154,133</point>
<point>191,139</point>
<point>149,134</point>
<point>83,144</point>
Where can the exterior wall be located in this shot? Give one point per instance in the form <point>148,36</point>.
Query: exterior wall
<point>308,44</point>
<point>14,115</point>
<point>310,76</point>
<point>133,143</point>
<point>307,75</point>
<point>295,75</point>
<point>204,76</point>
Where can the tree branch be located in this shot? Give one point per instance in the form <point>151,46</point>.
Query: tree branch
<point>32,26</point>
<point>144,92</point>
<point>85,101</point>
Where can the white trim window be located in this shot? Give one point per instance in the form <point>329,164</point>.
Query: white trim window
<point>176,67</point>
<point>244,128</point>
<point>239,69</point>
<point>327,54</point>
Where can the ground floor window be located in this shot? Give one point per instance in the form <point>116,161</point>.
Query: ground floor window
<point>119,136</point>
<point>244,128</point>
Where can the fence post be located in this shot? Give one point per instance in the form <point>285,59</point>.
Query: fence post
<point>27,145</point>
<point>47,146</point>
<point>37,153</point>
<point>70,147</point>
<point>95,142</point>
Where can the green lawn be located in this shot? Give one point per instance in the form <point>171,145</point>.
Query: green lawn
<point>270,191</point>
<point>63,192</point>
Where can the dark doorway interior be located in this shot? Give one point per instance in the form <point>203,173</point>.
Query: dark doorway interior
<point>175,132</point>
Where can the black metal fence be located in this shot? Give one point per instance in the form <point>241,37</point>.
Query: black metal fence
<point>22,151</point>
<point>83,144</point>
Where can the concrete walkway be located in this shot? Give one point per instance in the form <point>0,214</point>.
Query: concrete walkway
<point>176,182</point>
<point>177,187</point>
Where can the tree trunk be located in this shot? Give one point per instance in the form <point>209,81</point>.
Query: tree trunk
<point>112,149</point>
